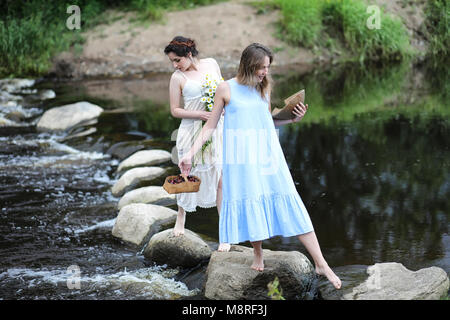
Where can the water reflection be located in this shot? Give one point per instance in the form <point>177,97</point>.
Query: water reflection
<point>379,196</point>
<point>370,162</point>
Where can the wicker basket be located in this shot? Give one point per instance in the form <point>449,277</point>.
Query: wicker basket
<point>182,187</point>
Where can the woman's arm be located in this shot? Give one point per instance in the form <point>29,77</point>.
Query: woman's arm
<point>221,98</point>
<point>175,102</point>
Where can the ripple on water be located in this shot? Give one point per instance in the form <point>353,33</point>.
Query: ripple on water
<point>145,283</point>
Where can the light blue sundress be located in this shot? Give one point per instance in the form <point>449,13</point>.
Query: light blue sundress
<point>259,196</point>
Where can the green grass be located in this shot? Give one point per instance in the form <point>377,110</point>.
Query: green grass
<point>437,26</point>
<point>33,31</point>
<point>389,42</point>
<point>24,47</point>
<point>319,23</point>
<point>301,21</point>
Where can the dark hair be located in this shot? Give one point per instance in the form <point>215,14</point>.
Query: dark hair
<point>181,46</point>
<point>251,60</point>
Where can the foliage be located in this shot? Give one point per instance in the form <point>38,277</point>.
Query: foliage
<point>437,25</point>
<point>314,22</point>
<point>389,42</point>
<point>33,31</point>
<point>301,21</point>
<point>275,293</point>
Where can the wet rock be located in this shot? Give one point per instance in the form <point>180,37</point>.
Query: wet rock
<point>230,277</point>
<point>123,150</point>
<point>392,281</point>
<point>69,116</point>
<point>8,98</point>
<point>7,123</point>
<point>135,176</point>
<point>47,94</point>
<point>79,134</point>
<point>151,194</point>
<point>194,278</point>
<point>186,250</point>
<point>15,85</point>
<point>351,277</point>
<point>8,104</point>
<point>137,222</point>
<point>15,116</point>
<point>144,158</point>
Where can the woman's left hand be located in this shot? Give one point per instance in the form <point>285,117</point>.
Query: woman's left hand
<point>185,165</point>
<point>299,112</point>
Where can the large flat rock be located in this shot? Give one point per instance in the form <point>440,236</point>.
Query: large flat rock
<point>144,158</point>
<point>230,277</point>
<point>135,176</point>
<point>393,281</point>
<point>67,117</point>
<point>187,250</point>
<point>137,222</point>
<point>151,194</point>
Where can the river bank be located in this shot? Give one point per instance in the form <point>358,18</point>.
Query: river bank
<point>124,48</point>
<point>125,38</point>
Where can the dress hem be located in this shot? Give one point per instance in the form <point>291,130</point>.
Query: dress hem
<point>270,237</point>
<point>204,206</point>
<point>265,216</point>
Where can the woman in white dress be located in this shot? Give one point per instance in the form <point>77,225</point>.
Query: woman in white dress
<point>186,86</point>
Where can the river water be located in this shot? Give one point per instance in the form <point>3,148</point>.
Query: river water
<point>370,160</point>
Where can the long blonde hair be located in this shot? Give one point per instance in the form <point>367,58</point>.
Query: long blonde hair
<point>252,59</point>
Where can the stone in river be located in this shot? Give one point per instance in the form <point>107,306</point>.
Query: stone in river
<point>187,250</point>
<point>135,176</point>
<point>144,158</point>
<point>151,194</point>
<point>67,117</point>
<point>137,222</point>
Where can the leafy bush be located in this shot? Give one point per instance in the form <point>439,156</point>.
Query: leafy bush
<point>301,21</point>
<point>312,22</point>
<point>437,26</point>
<point>33,31</point>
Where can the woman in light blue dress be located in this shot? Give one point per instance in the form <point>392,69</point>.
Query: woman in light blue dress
<point>259,198</point>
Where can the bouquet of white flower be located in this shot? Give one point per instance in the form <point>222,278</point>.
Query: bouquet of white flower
<point>209,87</point>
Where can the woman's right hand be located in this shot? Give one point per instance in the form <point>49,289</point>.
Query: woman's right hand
<point>185,165</point>
<point>204,115</point>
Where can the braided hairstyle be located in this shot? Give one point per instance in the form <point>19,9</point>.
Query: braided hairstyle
<point>181,46</point>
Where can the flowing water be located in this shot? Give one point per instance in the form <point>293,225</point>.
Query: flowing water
<point>370,161</point>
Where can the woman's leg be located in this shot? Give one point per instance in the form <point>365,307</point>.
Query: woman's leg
<point>258,261</point>
<point>223,247</point>
<point>311,244</point>
<point>179,224</point>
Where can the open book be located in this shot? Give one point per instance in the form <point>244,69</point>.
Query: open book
<point>285,113</point>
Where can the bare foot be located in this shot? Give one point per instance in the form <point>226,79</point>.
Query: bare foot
<point>224,247</point>
<point>258,261</point>
<point>331,276</point>
<point>178,230</point>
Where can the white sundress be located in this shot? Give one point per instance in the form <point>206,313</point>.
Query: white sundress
<point>206,164</point>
